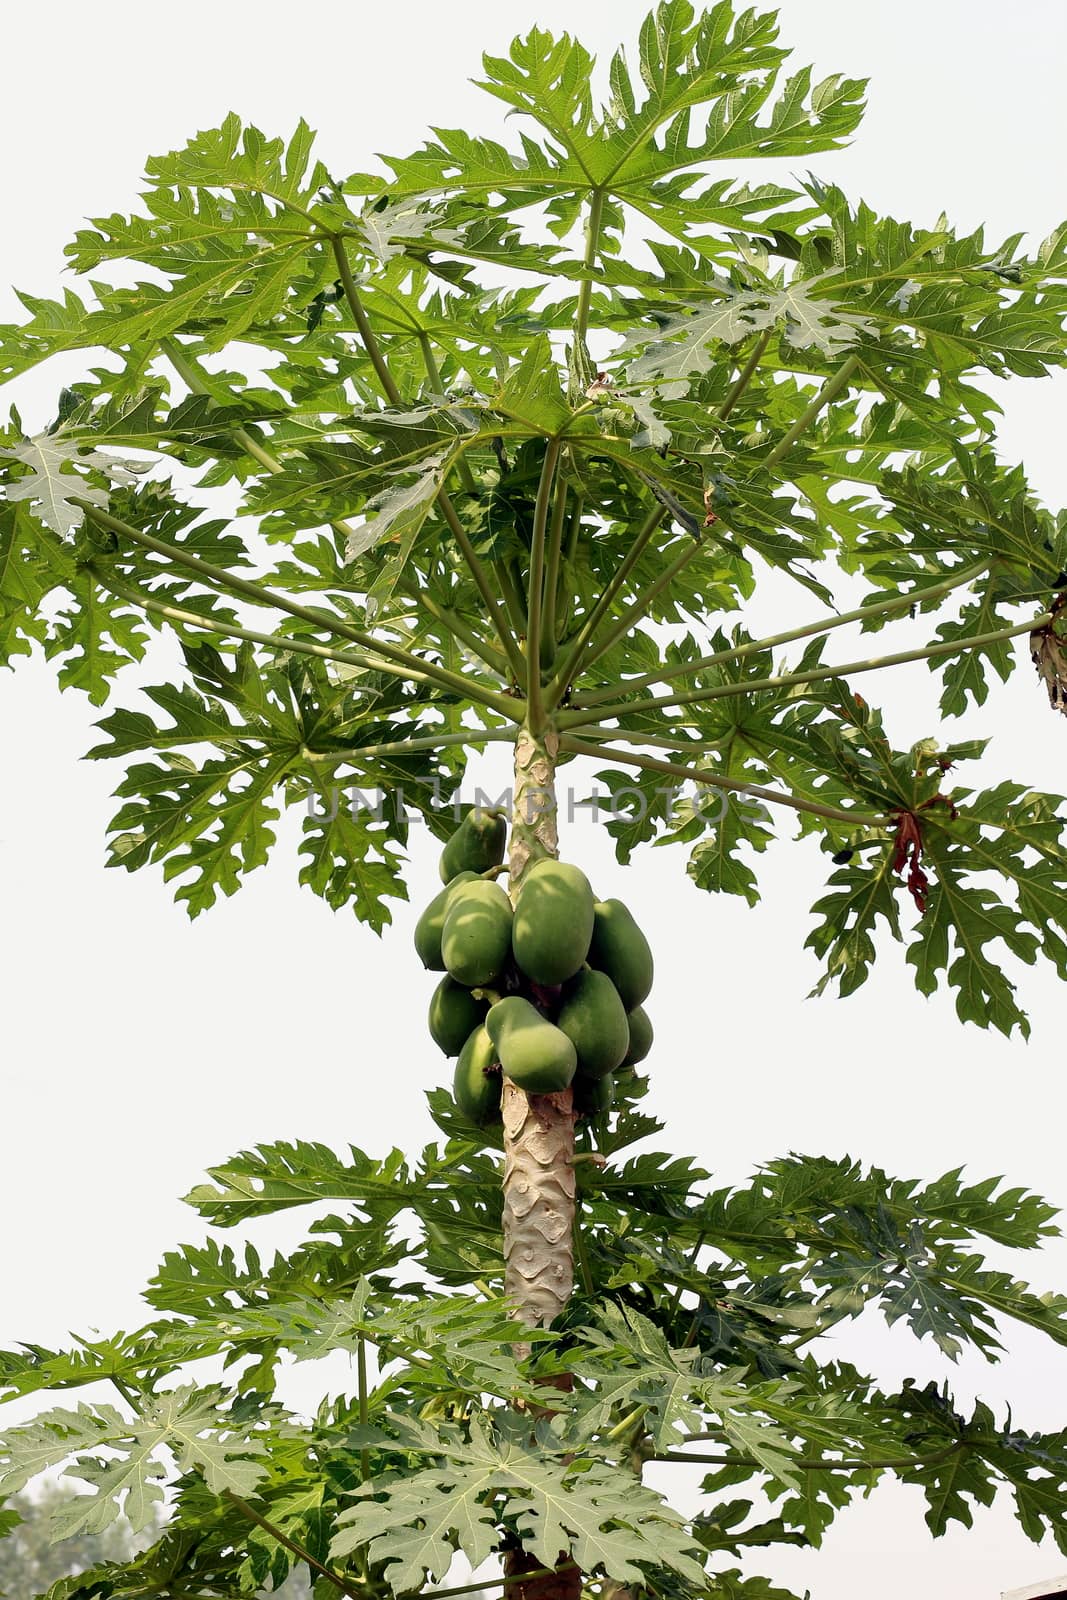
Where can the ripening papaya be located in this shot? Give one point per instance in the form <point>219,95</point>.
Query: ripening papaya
<point>640,1036</point>
<point>593,1097</point>
<point>429,926</point>
<point>619,948</point>
<point>476,937</point>
<point>532,1051</point>
<point>477,844</point>
<point>553,921</point>
<point>477,1083</point>
<point>594,1020</point>
<point>453,1015</point>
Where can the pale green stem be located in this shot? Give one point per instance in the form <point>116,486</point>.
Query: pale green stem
<point>629,619</point>
<point>829,392</point>
<point>493,658</point>
<point>566,586</point>
<point>746,374</point>
<point>592,244</point>
<point>789,680</point>
<point>512,600</point>
<point>555,543</point>
<point>294,1549</point>
<point>494,1583</point>
<point>638,736</point>
<point>818,1464</point>
<point>575,528</point>
<point>900,602</point>
<point>364,1407</point>
<point>432,372</point>
<point>621,1429</point>
<point>537,578</point>
<point>581,1254</point>
<point>574,661</point>
<point>489,599</point>
<point>219,577</point>
<point>392,393</point>
<point>429,361</point>
<point>195,380</point>
<point>672,769</point>
<point>366,332</point>
<point>273,641</point>
<point>473,737</point>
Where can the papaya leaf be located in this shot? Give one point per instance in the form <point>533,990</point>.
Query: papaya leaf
<point>240,158</point>
<point>33,564</point>
<point>398,513</point>
<point>53,327</point>
<point>187,1421</point>
<point>352,859</point>
<point>278,1176</point>
<point>51,484</point>
<point>214,821</point>
<point>97,636</point>
<point>595,1514</point>
<point>678,1390</point>
<point>681,347</point>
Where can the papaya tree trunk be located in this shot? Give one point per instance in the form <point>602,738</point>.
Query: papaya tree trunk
<point>538,1128</point>
<point>539,1186</point>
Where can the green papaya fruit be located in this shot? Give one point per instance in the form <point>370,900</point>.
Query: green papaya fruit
<point>476,937</point>
<point>640,1036</point>
<point>594,1097</point>
<point>477,844</point>
<point>594,1020</point>
<point>619,948</point>
<point>476,1085</point>
<point>454,1014</point>
<point>532,1051</point>
<point>429,926</point>
<point>553,921</point>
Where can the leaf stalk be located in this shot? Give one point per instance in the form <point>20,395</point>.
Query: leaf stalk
<point>672,769</point>
<point>534,701</point>
<point>558,686</point>
<point>790,680</point>
<point>828,393</point>
<point>901,602</point>
<point>229,583</point>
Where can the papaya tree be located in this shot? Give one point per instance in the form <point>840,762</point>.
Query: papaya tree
<point>509,441</point>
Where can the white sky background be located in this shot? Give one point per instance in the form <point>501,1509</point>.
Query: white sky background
<point>139,1048</point>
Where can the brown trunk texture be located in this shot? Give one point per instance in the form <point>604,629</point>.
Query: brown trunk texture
<point>538,1128</point>
<point>563,1584</point>
<point>539,1188</point>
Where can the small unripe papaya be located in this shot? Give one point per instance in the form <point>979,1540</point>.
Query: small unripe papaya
<point>477,844</point>
<point>553,922</point>
<point>594,1020</point>
<point>594,1097</point>
<point>640,1036</point>
<point>619,948</point>
<point>429,926</point>
<point>477,1083</point>
<point>532,1051</point>
<point>453,1015</point>
<point>476,937</point>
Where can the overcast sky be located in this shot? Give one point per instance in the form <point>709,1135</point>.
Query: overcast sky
<point>139,1048</point>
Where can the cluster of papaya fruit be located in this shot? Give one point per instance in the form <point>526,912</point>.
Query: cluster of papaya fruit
<point>548,992</point>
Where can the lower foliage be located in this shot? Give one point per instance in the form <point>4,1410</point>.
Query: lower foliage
<point>693,1337</point>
